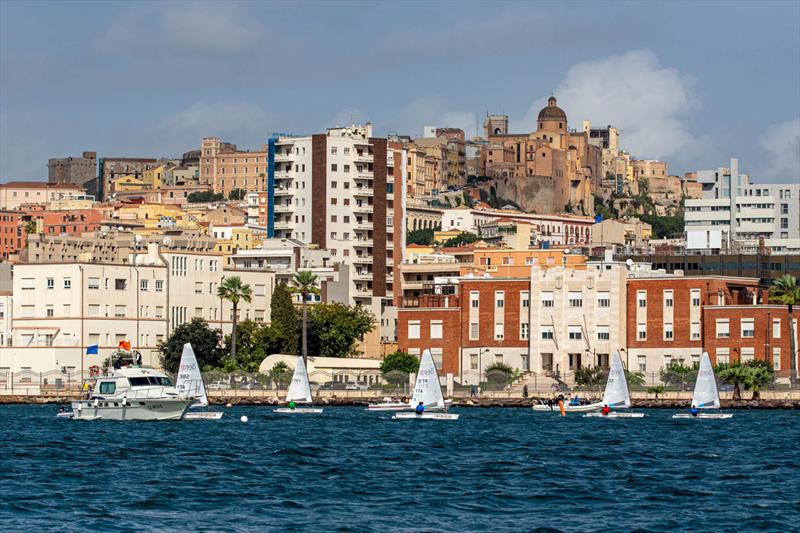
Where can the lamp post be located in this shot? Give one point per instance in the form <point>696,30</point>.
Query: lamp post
<point>481,351</point>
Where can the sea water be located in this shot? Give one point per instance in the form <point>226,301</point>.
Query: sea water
<point>349,470</point>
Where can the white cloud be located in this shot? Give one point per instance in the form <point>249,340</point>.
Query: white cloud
<point>211,27</point>
<point>647,102</point>
<point>431,111</point>
<point>781,144</point>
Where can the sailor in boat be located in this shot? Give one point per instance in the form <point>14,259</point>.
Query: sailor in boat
<point>694,411</point>
<point>420,408</point>
<point>292,405</point>
<point>606,410</point>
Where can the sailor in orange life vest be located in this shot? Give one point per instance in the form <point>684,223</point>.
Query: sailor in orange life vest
<point>606,410</point>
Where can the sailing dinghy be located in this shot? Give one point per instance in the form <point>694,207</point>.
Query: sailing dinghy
<point>705,394</point>
<point>427,390</point>
<point>616,393</point>
<point>299,391</point>
<point>189,383</point>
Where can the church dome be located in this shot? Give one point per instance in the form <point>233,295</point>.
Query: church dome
<point>552,111</point>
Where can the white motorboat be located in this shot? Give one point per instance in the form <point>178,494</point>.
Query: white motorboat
<point>585,408</point>
<point>189,383</point>
<point>705,396</point>
<point>132,393</point>
<point>428,392</point>
<point>299,392</point>
<point>616,394</point>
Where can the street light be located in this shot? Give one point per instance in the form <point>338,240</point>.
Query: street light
<point>480,364</point>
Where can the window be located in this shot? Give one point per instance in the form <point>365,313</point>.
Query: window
<point>695,331</point>
<point>333,167</point>
<point>776,328</point>
<point>748,354</point>
<point>547,332</point>
<point>642,363</point>
<point>198,287</point>
<point>499,299</point>
<point>50,283</point>
<point>547,299</point>
<point>574,333</point>
<point>576,299</point>
<point>723,328</point>
<point>259,290</point>
<point>67,283</point>
<point>94,283</point>
<point>413,329</point>
<point>49,312</point>
<point>668,299</point>
<point>723,356</point>
<point>28,284</point>
<point>120,284</point>
<point>667,360</point>
<point>473,299</point>
<point>94,309</point>
<point>525,297</point>
<point>603,299</point>
<point>641,298</point>
<point>641,331</point>
<point>776,358</point>
<point>603,333</point>
<point>108,387</point>
<point>668,333</point>
<point>436,329</point>
<point>144,285</point>
<point>499,331</point>
<point>473,331</point>
<point>695,297</point>
<point>473,362</point>
<point>120,311</point>
<point>748,328</point>
<point>159,285</point>
<point>159,311</point>
<point>436,354</point>
<point>524,331</point>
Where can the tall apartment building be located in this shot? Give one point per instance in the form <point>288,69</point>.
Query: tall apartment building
<point>735,215</point>
<point>223,167</point>
<point>336,190</point>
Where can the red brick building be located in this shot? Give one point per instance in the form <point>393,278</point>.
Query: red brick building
<point>470,325</point>
<point>13,225</point>
<point>745,332</point>
<point>12,233</point>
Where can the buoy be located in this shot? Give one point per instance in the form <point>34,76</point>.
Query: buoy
<point>243,418</point>
<point>229,405</point>
<point>561,407</point>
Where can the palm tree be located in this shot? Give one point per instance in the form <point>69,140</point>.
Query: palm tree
<point>305,284</point>
<point>233,290</point>
<point>786,291</point>
<point>734,374</point>
<point>757,378</point>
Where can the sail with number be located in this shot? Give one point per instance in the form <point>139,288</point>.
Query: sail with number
<point>616,393</point>
<point>427,388</point>
<point>705,389</point>
<point>299,389</point>
<point>189,381</point>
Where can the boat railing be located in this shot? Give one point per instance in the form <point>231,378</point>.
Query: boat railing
<point>149,393</point>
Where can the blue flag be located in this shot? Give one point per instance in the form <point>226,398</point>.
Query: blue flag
<point>92,350</point>
<point>598,219</point>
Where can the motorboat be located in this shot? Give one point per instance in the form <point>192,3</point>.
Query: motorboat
<point>133,393</point>
<point>568,408</point>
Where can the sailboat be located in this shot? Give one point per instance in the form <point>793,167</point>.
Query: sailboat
<point>705,394</point>
<point>616,393</point>
<point>299,391</point>
<point>189,383</point>
<point>428,391</point>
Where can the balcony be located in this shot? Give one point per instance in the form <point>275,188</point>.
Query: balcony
<point>282,157</point>
<point>283,224</point>
<point>363,292</point>
<point>280,191</point>
<point>363,208</point>
<point>363,259</point>
<point>363,225</point>
<point>363,157</point>
<point>362,243</point>
<point>363,192</point>
<point>362,276</point>
<point>284,208</point>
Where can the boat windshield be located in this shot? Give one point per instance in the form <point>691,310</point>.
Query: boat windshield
<point>150,381</point>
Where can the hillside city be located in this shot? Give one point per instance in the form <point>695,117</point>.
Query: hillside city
<point>540,252</point>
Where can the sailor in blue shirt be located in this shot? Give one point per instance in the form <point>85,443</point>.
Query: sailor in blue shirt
<point>694,411</point>
<point>419,409</point>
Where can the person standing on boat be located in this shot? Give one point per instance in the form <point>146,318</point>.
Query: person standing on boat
<point>420,408</point>
<point>606,410</point>
<point>694,411</point>
<point>525,391</point>
<point>292,405</point>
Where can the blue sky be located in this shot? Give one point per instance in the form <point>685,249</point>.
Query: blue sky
<point>690,82</point>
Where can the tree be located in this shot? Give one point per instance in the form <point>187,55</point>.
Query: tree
<point>205,342</point>
<point>733,374</point>
<point>420,236</point>
<point>635,378</point>
<point>664,226</point>
<point>462,238</point>
<point>250,346</point>
<point>305,284</point>
<point>786,291</point>
<point>498,372</point>
<point>656,389</point>
<point>679,374</point>
<point>233,290</point>
<point>237,194</point>
<point>205,196</point>
<point>757,378</point>
<point>591,376</point>
<point>280,374</point>
<point>334,329</point>
<point>399,361</point>
<point>284,319</point>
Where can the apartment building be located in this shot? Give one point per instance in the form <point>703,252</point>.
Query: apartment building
<point>578,317</point>
<point>736,215</point>
<point>223,167</point>
<point>469,324</point>
<point>19,193</point>
<point>665,321</point>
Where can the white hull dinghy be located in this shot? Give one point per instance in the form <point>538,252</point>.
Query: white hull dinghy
<point>299,392</point>
<point>388,405</point>
<point>705,396</point>
<point>190,384</point>
<point>588,408</point>
<point>428,391</point>
<point>616,393</point>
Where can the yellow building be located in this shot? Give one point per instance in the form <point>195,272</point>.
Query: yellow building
<point>154,177</point>
<point>518,263</point>
<point>156,218</point>
<point>128,183</point>
<point>445,235</point>
<point>232,238</point>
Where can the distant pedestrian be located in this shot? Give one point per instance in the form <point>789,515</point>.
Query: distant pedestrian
<point>473,391</point>
<point>525,391</point>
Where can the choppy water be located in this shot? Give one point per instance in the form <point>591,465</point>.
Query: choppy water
<point>348,470</point>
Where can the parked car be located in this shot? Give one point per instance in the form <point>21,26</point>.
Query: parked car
<point>356,385</point>
<point>333,385</point>
<point>219,385</point>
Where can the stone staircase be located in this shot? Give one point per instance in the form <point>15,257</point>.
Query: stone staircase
<point>538,384</point>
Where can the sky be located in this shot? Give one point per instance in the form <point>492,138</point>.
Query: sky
<point>693,83</point>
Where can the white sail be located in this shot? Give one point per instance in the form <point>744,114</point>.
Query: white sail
<point>299,389</point>
<point>616,393</point>
<point>427,389</point>
<point>190,382</point>
<point>705,389</point>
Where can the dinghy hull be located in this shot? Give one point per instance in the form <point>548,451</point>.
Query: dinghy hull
<point>713,416</point>
<point>298,411</point>
<point>615,415</point>
<point>425,416</point>
<point>541,408</point>
<point>205,415</point>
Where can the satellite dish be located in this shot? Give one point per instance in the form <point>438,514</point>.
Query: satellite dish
<point>629,262</point>
<point>566,250</point>
<point>167,241</point>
